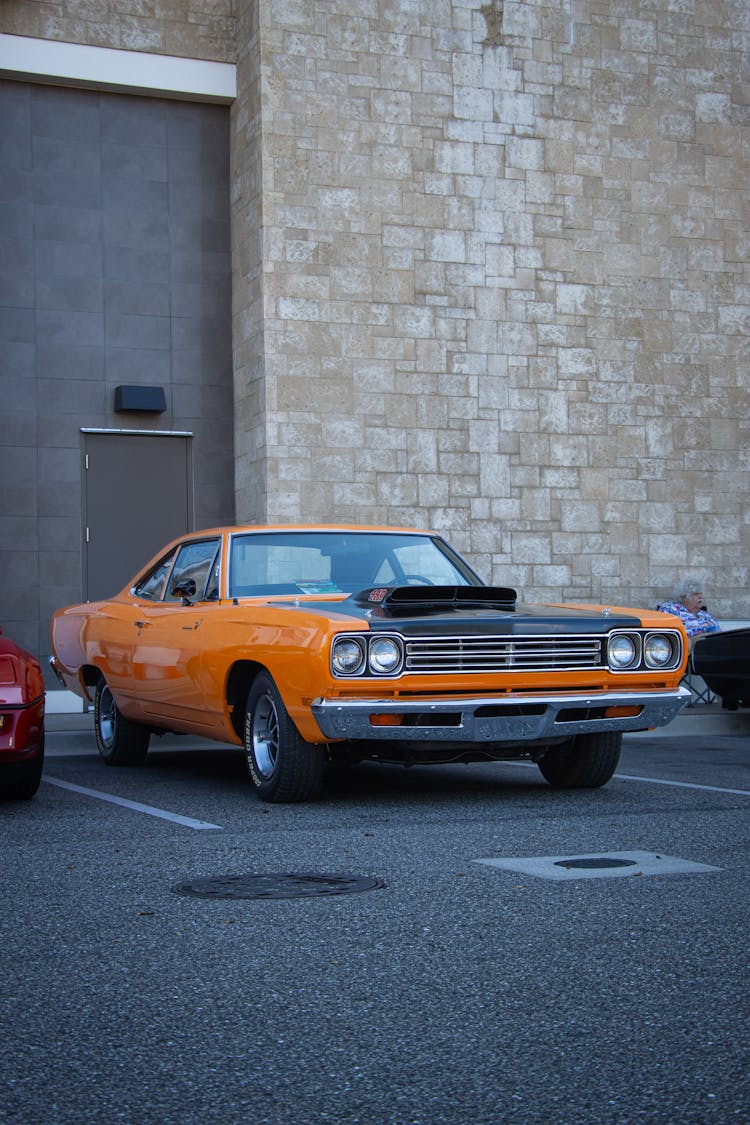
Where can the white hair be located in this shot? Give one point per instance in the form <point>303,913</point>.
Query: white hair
<point>689,585</point>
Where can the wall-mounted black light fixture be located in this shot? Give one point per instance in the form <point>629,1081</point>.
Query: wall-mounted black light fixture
<point>142,400</point>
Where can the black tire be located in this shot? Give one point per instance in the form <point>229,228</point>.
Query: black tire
<point>119,741</point>
<point>587,764</point>
<point>19,781</point>
<point>280,764</point>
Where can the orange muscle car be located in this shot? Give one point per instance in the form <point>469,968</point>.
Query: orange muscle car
<point>313,644</point>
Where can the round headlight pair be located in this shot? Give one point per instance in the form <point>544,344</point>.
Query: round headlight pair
<point>379,656</point>
<point>624,651</point>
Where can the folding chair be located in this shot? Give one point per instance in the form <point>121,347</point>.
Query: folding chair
<point>700,693</point>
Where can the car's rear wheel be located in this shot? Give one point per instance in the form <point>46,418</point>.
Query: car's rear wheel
<point>587,764</point>
<point>19,781</point>
<point>281,764</point>
<point>119,741</point>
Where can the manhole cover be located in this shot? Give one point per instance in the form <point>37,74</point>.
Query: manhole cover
<point>592,863</point>
<point>606,865</point>
<point>277,886</point>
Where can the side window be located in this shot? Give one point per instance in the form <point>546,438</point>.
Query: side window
<point>152,586</point>
<point>196,563</point>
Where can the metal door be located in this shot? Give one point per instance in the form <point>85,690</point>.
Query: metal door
<point>137,495</point>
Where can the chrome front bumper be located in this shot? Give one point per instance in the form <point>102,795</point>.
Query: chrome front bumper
<point>532,718</point>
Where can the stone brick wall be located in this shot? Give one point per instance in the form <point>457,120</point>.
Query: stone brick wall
<point>490,272</point>
<point>201,29</point>
<point>248,250</point>
<point>505,284</point>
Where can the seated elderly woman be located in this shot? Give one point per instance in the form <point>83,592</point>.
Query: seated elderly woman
<point>687,604</point>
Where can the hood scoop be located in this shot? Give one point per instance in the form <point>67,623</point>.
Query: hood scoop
<point>429,599</point>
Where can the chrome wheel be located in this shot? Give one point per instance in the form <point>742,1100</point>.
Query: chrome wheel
<point>119,741</point>
<point>105,718</point>
<point>265,736</point>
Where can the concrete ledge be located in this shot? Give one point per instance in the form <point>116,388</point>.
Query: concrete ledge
<point>703,719</point>
<point>63,703</point>
<point>61,721</point>
<point>109,68</point>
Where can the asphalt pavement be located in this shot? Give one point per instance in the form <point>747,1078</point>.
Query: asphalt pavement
<point>421,975</point>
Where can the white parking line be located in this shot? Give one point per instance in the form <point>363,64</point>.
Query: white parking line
<point>150,810</point>
<point>654,781</point>
<point>682,784</point>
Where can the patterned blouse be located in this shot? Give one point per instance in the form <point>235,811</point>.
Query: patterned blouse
<point>695,623</point>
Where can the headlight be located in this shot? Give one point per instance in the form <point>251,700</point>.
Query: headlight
<point>621,651</point>
<point>658,651</point>
<point>347,656</point>
<point>384,656</point>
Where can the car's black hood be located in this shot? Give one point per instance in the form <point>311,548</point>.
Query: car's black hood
<point>421,610</point>
<point>727,653</point>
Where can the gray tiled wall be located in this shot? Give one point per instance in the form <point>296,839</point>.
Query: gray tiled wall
<point>114,269</point>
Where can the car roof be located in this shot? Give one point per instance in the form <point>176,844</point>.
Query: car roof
<point>256,527</point>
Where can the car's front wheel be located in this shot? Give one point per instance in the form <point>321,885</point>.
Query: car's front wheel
<point>281,764</point>
<point>119,741</point>
<point>587,764</point>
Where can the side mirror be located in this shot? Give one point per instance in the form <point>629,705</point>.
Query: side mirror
<point>186,589</point>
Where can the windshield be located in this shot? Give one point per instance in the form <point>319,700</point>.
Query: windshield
<point>340,562</point>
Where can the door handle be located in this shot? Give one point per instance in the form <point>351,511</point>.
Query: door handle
<point>141,624</point>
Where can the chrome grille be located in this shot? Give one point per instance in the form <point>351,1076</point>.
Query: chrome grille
<point>503,654</point>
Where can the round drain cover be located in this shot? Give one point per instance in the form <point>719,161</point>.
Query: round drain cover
<point>594,862</point>
<point>276,886</point>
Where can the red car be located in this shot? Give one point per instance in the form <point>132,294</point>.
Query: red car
<point>21,722</point>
